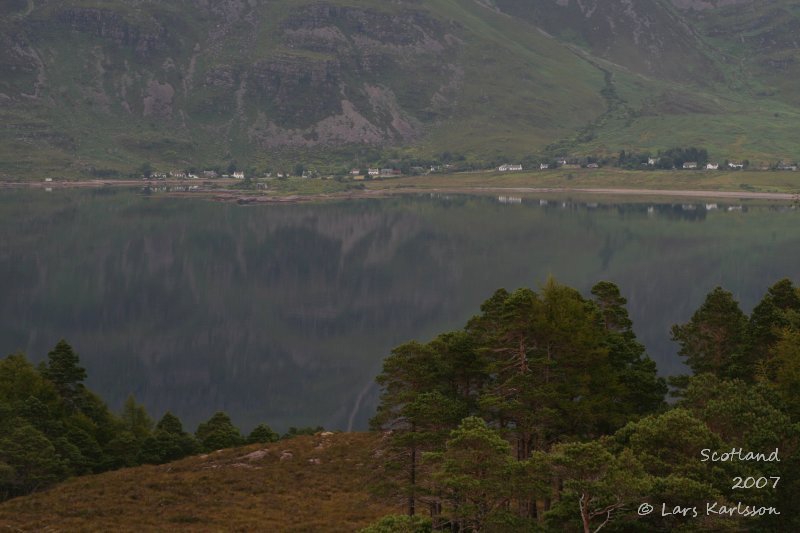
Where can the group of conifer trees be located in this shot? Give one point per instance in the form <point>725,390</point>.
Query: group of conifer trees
<point>53,427</point>
<point>545,414</point>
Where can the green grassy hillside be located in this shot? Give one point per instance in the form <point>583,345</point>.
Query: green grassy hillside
<point>98,87</point>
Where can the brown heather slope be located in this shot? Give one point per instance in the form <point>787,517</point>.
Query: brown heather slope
<point>322,487</point>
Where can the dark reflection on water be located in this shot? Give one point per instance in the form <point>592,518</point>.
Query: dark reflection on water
<point>283,313</point>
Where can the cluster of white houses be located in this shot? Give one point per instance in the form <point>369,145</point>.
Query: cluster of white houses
<point>376,172</point>
<point>206,174</point>
<point>179,174</point>
<point>693,165</point>
<point>507,167</point>
<point>651,162</point>
<point>560,163</point>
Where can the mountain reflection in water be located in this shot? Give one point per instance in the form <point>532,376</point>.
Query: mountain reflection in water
<point>283,313</point>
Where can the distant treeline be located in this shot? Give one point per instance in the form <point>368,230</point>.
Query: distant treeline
<point>545,414</point>
<point>53,427</point>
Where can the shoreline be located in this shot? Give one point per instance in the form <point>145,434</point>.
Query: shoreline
<point>691,193</point>
<point>245,199</point>
<point>384,189</point>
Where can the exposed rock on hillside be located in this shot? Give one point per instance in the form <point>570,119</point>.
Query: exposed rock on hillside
<point>700,5</point>
<point>184,82</point>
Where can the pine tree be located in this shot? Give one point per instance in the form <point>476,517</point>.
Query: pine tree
<point>775,312</point>
<point>472,476</point>
<point>135,419</point>
<point>418,405</point>
<point>218,432</point>
<point>168,442</point>
<point>64,371</point>
<point>31,459</point>
<point>170,423</point>
<point>712,340</point>
<point>642,390</point>
<point>597,484</point>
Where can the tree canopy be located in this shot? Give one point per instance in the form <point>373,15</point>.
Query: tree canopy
<point>545,412</point>
<point>53,427</point>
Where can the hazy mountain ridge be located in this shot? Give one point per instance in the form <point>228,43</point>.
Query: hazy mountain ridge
<point>110,84</point>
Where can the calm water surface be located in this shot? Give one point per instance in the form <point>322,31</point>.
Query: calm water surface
<point>283,313</point>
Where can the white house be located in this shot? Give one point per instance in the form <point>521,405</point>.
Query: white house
<point>373,171</point>
<point>238,175</point>
<point>509,199</point>
<point>712,166</point>
<point>690,164</point>
<point>508,167</point>
<point>544,166</point>
<point>652,161</point>
<point>736,165</point>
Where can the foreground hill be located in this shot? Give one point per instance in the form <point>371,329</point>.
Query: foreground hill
<point>102,86</point>
<point>309,483</point>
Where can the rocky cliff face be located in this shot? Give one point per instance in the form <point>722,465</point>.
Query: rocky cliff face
<point>322,75</point>
<point>112,27</point>
<point>334,80</point>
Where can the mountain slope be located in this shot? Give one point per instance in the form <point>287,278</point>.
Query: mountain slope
<point>101,86</point>
<point>646,36</point>
<point>761,41</point>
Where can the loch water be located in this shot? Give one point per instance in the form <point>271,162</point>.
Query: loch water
<point>283,313</point>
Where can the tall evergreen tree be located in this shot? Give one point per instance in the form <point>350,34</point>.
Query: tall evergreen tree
<point>774,312</point>
<point>135,419</point>
<point>64,371</point>
<point>783,371</point>
<point>550,367</point>
<point>712,340</point>
<point>170,423</point>
<point>597,483</point>
<point>642,390</point>
<point>168,442</point>
<point>472,476</point>
<point>419,406</point>
<point>19,380</point>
